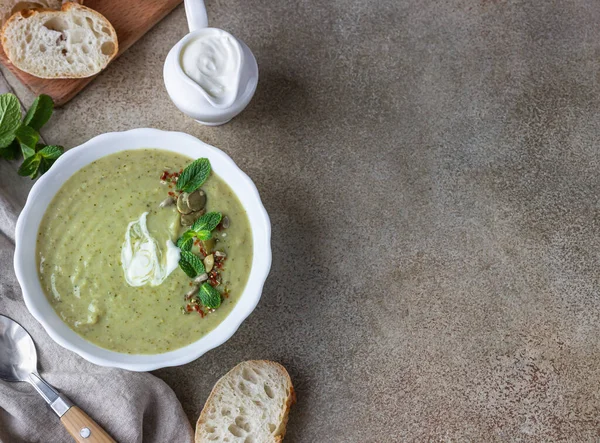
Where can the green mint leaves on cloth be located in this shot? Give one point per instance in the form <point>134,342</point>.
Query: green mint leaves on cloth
<point>14,134</point>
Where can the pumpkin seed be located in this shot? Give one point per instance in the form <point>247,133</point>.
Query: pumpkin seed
<point>189,219</point>
<point>201,278</point>
<point>196,200</point>
<point>182,204</point>
<point>209,245</point>
<point>191,292</point>
<point>209,262</point>
<point>220,254</point>
<point>166,202</point>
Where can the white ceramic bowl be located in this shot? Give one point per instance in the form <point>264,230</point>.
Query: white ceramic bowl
<point>48,185</point>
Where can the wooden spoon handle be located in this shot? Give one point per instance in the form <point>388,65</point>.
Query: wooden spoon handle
<point>82,428</point>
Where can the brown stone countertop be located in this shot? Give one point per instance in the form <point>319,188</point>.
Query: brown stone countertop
<point>432,173</point>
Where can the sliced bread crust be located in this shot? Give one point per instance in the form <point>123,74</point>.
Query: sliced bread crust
<point>10,7</point>
<point>250,403</point>
<point>74,42</point>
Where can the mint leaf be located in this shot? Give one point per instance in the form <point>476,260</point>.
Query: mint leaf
<point>39,162</point>
<point>209,296</point>
<point>39,113</point>
<point>194,175</point>
<point>28,138</point>
<point>201,228</point>
<point>185,243</point>
<point>51,152</point>
<point>48,155</point>
<point>191,264</point>
<point>26,151</point>
<point>10,118</point>
<point>187,268</point>
<point>207,222</point>
<point>44,166</point>
<point>187,235</point>
<point>30,166</point>
<point>11,151</point>
<point>38,158</point>
<point>203,235</point>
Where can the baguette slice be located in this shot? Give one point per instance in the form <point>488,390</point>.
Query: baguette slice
<point>74,42</point>
<point>249,404</point>
<point>10,7</point>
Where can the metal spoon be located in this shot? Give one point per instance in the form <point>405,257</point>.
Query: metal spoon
<point>18,362</point>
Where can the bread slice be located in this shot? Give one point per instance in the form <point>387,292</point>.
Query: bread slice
<point>74,42</point>
<point>249,404</point>
<point>10,7</point>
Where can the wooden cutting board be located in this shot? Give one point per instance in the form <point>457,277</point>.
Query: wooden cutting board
<point>130,18</point>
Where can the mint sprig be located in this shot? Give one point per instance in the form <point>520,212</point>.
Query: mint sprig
<point>39,162</point>
<point>24,135</point>
<point>209,296</point>
<point>48,155</point>
<point>201,229</point>
<point>194,175</point>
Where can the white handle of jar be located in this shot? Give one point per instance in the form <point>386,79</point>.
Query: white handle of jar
<point>195,12</point>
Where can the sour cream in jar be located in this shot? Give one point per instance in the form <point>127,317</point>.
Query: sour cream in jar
<point>213,60</point>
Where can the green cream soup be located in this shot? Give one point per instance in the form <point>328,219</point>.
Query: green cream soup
<point>98,215</point>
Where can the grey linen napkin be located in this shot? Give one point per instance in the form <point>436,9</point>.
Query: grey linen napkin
<point>132,407</point>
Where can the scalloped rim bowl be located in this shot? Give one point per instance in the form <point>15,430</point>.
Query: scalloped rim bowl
<point>47,186</point>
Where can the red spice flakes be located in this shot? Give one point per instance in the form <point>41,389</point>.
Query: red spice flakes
<point>189,308</point>
<point>171,193</point>
<point>168,177</point>
<point>201,312</point>
<point>213,278</point>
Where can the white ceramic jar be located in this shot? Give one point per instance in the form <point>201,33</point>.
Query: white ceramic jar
<point>209,74</point>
